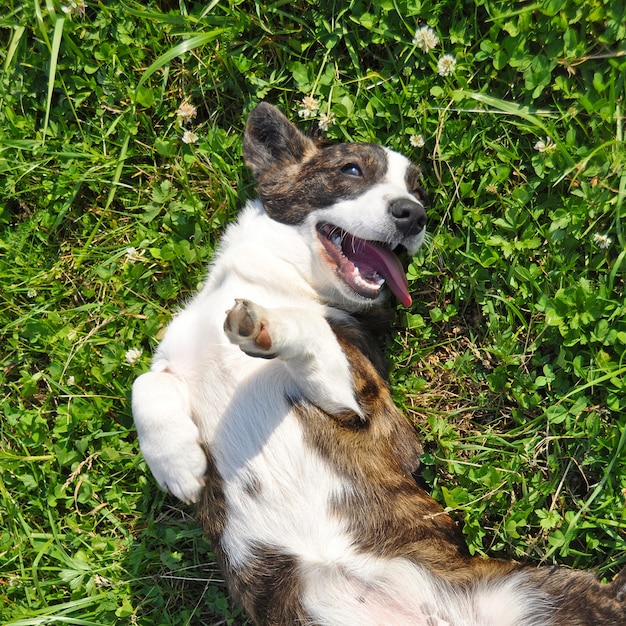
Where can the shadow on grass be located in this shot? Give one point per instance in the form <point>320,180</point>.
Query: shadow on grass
<point>174,577</point>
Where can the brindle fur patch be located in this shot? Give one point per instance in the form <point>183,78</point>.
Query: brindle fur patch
<point>390,515</point>
<point>211,512</point>
<point>414,184</point>
<point>269,589</point>
<point>579,599</point>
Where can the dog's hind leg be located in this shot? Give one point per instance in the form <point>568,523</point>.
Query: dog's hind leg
<point>168,437</point>
<point>304,341</point>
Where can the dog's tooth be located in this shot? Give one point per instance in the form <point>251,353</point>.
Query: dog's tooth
<point>336,239</point>
<point>364,282</point>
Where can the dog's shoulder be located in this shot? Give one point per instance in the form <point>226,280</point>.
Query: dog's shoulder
<point>365,333</point>
<point>362,338</point>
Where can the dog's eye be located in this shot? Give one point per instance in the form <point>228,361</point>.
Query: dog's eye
<point>419,192</point>
<point>352,169</point>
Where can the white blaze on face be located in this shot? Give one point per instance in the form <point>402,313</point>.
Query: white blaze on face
<point>397,166</point>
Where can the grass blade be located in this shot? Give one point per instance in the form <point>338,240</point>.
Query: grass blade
<point>180,49</point>
<point>54,56</point>
<point>15,40</point>
<point>53,614</point>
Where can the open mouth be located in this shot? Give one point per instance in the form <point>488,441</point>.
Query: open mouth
<point>364,266</point>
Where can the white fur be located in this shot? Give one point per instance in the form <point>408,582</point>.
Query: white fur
<point>396,592</point>
<point>200,381</point>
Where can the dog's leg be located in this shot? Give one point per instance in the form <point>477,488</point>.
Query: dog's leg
<point>168,437</point>
<point>306,344</point>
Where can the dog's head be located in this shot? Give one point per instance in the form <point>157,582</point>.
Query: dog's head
<point>359,203</point>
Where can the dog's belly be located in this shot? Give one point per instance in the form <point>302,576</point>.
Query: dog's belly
<point>277,488</point>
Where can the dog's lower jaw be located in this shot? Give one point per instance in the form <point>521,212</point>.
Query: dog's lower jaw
<point>333,291</point>
<point>363,267</point>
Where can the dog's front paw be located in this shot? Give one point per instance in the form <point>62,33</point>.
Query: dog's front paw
<point>185,476</point>
<point>178,464</point>
<point>169,439</point>
<point>247,326</point>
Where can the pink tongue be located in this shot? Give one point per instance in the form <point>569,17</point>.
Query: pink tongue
<point>368,255</point>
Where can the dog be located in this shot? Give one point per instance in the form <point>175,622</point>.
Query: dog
<point>267,404</point>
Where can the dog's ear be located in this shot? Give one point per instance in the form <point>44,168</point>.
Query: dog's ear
<point>271,139</point>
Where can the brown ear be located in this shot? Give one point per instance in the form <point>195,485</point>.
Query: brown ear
<point>271,139</point>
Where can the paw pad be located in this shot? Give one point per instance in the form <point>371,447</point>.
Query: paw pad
<point>245,324</point>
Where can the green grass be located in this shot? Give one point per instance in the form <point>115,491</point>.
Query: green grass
<point>511,362</point>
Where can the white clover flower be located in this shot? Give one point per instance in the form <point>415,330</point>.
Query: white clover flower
<point>71,380</point>
<point>74,8</point>
<point>133,355</point>
<point>545,146</point>
<point>492,188</point>
<point>426,39</point>
<point>190,137</point>
<point>31,293</point>
<point>186,112</point>
<point>132,254</point>
<point>326,120</point>
<point>417,141</point>
<point>602,241</point>
<point>446,65</point>
<point>308,107</point>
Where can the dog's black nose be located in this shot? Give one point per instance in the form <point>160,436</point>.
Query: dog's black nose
<point>409,216</point>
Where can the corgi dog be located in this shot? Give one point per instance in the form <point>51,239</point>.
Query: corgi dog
<point>267,404</point>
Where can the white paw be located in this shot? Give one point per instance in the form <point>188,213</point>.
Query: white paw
<point>182,476</point>
<point>178,466</point>
<point>168,437</point>
<point>247,326</point>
